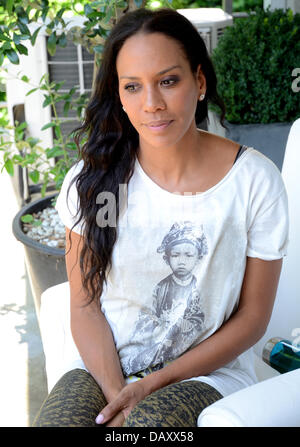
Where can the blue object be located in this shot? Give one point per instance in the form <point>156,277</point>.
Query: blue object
<point>282,355</point>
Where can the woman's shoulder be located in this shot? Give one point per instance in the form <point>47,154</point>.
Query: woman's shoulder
<point>219,141</point>
<point>75,168</point>
<point>229,149</point>
<point>255,167</point>
<point>218,147</point>
<point>69,181</point>
<point>73,171</point>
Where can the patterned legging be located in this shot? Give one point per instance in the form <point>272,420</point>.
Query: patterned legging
<point>76,400</point>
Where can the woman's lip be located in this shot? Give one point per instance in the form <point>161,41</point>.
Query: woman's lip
<point>159,127</point>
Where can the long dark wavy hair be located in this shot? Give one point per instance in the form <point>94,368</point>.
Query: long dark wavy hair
<point>107,141</point>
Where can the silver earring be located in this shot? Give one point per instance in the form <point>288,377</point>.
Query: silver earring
<point>201,97</point>
<point>124,109</point>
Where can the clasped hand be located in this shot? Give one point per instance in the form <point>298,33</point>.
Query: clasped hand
<point>115,413</point>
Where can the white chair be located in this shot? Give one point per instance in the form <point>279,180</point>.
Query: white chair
<point>275,400</point>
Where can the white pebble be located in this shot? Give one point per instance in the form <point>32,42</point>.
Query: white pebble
<point>53,243</point>
<point>51,226</point>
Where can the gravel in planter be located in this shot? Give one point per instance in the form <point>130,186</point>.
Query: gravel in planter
<point>50,232</point>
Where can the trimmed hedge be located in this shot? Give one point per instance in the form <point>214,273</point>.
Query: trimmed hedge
<point>254,61</point>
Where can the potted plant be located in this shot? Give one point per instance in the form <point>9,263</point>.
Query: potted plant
<point>48,166</point>
<point>254,61</point>
<point>37,224</point>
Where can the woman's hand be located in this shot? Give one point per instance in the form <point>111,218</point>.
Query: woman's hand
<point>115,413</point>
<point>116,421</point>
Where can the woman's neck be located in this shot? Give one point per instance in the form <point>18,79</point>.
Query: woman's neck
<point>171,165</point>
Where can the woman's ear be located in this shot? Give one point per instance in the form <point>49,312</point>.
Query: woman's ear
<point>201,80</point>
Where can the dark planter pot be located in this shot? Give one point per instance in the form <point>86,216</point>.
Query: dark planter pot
<point>270,139</point>
<point>45,265</point>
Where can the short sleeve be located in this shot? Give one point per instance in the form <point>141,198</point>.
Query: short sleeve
<point>66,205</point>
<point>269,230</point>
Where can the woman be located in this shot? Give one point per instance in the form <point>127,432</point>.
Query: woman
<point>152,89</point>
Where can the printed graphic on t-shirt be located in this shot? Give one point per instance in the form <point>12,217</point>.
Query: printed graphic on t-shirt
<point>176,319</point>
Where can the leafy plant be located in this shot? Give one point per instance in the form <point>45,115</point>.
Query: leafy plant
<point>21,149</point>
<point>237,5</point>
<point>29,219</point>
<point>254,61</point>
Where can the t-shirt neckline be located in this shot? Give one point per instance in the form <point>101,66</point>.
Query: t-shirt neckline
<point>161,190</point>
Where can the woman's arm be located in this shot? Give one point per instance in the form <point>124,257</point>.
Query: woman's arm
<point>243,329</point>
<point>90,329</point>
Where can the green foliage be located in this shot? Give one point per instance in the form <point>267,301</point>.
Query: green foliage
<point>254,61</point>
<point>29,218</point>
<point>204,3</point>
<point>237,5</point>
<point>18,148</point>
<point>17,16</point>
<point>15,19</point>
<point>247,5</point>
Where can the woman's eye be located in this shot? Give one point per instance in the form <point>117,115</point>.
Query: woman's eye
<point>169,82</point>
<point>130,88</point>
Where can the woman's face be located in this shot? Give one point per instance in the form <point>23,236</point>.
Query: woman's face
<point>157,88</point>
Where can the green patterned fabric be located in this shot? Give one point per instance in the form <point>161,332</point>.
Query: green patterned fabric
<point>76,400</point>
<point>176,405</point>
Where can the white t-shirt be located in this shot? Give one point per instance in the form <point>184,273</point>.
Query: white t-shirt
<point>179,261</point>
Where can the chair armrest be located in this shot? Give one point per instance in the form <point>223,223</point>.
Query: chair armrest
<point>61,354</point>
<point>274,402</point>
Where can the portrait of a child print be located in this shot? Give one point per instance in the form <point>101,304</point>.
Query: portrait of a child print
<point>176,319</point>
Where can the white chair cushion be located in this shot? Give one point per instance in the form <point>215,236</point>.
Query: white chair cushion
<point>61,354</point>
<point>273,402</point>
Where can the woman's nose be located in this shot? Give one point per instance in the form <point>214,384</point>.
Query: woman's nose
<point>153,100</point>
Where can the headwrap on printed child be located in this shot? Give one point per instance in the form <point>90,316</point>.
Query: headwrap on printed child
<point>185,232</point>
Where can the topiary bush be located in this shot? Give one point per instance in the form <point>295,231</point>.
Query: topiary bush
<point>254,62</point>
